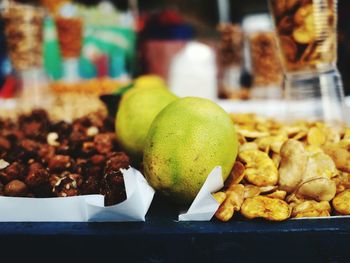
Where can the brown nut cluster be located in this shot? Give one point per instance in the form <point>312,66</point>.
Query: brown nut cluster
<point>307,32</point>
<point>24,35</point>
<point>42,158</point>
<point>287,170</point>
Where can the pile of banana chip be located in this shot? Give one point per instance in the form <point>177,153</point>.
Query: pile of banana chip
<point>287,171</point>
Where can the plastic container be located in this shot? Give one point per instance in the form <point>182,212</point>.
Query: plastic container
<point>308,47</point>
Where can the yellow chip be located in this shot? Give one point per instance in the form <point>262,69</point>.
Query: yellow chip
<point>311,208</point>
<point>260,169</point>
<point>341,203</point>
<point>278,194</point>
<point>316,137</point>
<point>265,207</point>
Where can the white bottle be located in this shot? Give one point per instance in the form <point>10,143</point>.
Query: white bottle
<point>193,72</point>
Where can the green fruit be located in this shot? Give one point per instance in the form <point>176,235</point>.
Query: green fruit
<point>137,109</point>
<point>185,142</point>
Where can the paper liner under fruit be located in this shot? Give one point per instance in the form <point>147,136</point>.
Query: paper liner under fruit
<point>204,205</point>
<point>88,208</point>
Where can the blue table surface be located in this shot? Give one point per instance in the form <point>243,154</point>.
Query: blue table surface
<point>162,239</point>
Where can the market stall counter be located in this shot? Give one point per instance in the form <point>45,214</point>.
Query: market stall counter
<point>162,239</point>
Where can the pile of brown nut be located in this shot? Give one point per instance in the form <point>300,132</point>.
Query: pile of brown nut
<point>41,158</point>
<point>287,171</point>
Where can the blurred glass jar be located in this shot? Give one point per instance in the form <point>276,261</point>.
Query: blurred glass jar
<point>262,58</point>
<point>70,37</point>
<point>24,36</point>
<point>307,33</point>
<point>24,40</point>
<point>231,60</point>
<point>307,39</point>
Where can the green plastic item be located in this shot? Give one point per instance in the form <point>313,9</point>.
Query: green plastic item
<point>51,50</point>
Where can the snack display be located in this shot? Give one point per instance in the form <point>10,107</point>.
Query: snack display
<point>307,32</point>
<point>42,158</point>
<point>24,35</point>
<point>70,32</point>
<point>283,171</point>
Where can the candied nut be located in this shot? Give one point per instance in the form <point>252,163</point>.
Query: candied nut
<point>14,171</point>
<point>16,188</point>
<point>37,176</point>
<point>5,144</point>
<point>92,131</point>
<point>104,142</point>
<point>117,161</point>
<point>341,203</point>
<point>91,186</point>
<point>3,164</point>
<point>265,207</point>
<point>311,209</point>
<point>46,153</point>
<point>88,148</point>
<point>60,163</point>
<point>29,147</point>
<point>52,138</point>
<point>236,174</point>
<point>233,202</point>
<point>260,169</point>
<point>98,159</point>
<point>292,166</point>
<point>316,136</point>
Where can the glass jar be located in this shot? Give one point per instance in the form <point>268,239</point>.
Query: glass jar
<point>306,31</point>
<point>262,57</point>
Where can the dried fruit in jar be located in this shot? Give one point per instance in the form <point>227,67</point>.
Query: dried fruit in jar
<point>265,207</point>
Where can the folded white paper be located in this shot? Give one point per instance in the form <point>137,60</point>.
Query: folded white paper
<point>82,208</point>
<point>204,205</point>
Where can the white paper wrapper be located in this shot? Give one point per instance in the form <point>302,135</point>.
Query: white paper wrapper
<point>89,208</point>
<point>204,205</point>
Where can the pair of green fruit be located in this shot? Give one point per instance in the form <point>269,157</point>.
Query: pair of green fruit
<point>180,140</point>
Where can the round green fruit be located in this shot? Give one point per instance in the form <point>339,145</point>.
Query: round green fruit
<point>186,141</point>
<point>137,110</point>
